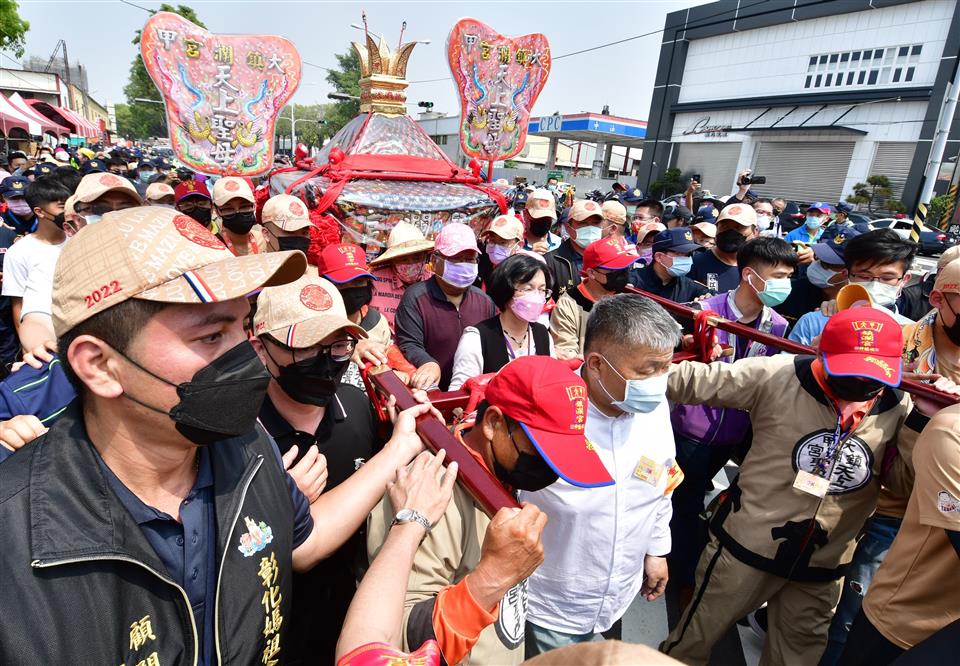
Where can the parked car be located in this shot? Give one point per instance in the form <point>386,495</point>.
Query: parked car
<point>932,241</point>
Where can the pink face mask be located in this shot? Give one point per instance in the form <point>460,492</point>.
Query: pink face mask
<point>410,273</point>
<point>528,306</point>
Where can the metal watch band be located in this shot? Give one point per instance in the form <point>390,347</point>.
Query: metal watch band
<point>412,516</point>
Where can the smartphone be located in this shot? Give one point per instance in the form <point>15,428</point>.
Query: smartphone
<point>697,177</point>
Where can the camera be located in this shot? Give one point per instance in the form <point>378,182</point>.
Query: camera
<point>753,180</point>
<point>697,177</point>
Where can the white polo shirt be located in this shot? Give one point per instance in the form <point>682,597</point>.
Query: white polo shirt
<point>596,538</point>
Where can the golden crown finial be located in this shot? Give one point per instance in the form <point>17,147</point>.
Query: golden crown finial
<point>383,74</point>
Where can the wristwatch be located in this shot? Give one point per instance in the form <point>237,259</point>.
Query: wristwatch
<point>411,516</point>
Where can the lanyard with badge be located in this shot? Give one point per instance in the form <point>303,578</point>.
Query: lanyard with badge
<point>817,483</point>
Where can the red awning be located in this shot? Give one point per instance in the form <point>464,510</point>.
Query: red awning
<point>47,124</point>
<point>84,127</point>
<point>8,122</point>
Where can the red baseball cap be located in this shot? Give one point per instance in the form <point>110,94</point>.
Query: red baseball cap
<point>343,262</point>
<point>190,188</point>
<point>863,342</point>
<point>610,253</point>
<point>549,400</point>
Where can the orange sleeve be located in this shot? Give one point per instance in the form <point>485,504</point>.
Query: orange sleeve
<point>458,620</point>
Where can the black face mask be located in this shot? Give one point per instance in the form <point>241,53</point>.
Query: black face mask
<point>530,473</point>
<point>312,381</point>
<point>223,398</point>
<point>58,220</point>
<point>953,332</point>
<point>854,389</point>
<point>730,240</point>
<point>541,227</point>
<point>301,243</point>
<point>355,298</point>
<point>239,223</point>
<point>617,280</point>
<point>201,215</point>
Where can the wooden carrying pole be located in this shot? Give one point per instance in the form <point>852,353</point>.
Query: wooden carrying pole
<point>485,489</point>
<point>915,388</point>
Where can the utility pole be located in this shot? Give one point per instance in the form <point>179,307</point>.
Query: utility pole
<point>940,138</point>
<point>293,131</point>
<point>66,76</point>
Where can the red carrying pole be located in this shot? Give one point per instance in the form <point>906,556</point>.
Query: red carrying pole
<point>485,489</point>
<point>916,388</point>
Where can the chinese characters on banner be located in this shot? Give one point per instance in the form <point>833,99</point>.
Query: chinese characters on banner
<point>499,79</point>
<point>222,93</point>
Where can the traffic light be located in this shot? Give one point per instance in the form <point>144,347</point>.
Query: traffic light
<point>425,105</point>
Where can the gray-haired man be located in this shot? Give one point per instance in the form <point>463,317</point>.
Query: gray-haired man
<point>604,545</point>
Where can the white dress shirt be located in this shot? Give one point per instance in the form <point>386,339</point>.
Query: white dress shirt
<point>596,539</point>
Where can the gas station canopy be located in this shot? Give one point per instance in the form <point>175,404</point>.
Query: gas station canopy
<point>591,128</point>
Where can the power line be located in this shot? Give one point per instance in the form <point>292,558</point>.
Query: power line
<point>149,11</point>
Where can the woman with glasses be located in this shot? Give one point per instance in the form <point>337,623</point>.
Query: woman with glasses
<point>520,287</point>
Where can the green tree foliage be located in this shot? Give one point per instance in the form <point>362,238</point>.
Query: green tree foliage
<point>13,29</point>
<point>310,132</point>
<point>936,209</point>
<point>346,79</point>
<point>875,193</point>
<point>124,120</point>
<point>146,120</point>
<point>667,184</point>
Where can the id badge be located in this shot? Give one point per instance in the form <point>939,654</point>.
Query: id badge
<point>811,484</point>
<point>648,471</point>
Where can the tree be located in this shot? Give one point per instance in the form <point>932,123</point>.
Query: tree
<point>936,209</point>
<point>346,79</point>
<point>667,184</point>
<point>145,119</point>
<point>875,192</point>
<point>310,131</point>
<point>13,29</point>
<point>124,120</point>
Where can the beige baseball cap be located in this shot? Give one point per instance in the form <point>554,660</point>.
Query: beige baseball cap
<point>69,204</point>
<point>949,255</point>
<point>405,239</point>
<point>157,191</point>
<point>614,211</point>
<point>708,229</point>
<point>742,214</point>
<point>286,211</point>
<point>156,254</point>
<point>948,279</point>
<point>541,203</point>
<point>231,187</point>
<point>95,185</point>
<point>507,227</point>
<point>584,208</point>
<point>302,313</point>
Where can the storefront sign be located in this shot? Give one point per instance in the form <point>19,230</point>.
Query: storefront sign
<point>703,127</point>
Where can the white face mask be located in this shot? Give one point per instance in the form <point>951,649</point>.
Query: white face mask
<point>764,222</point>
<point>820,276</point>
<point>882,294</point>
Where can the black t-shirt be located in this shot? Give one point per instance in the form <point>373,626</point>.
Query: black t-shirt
<point>716,275</point>
<point>678,290</point>
<point>804,297</point>
<point>347,436</point>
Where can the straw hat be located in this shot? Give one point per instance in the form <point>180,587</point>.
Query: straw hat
<point>405,239</point>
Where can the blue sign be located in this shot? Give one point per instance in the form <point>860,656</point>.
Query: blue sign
<point>597,124</point>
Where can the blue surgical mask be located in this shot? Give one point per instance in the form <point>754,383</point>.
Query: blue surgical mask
<point>92,219</point>
<point>813,223</point>
<point>587,235</point>
<point>775,290</point>
<point>680,267</point>
<point>641,396</point>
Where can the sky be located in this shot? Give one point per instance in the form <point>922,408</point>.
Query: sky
<point>98,35</point>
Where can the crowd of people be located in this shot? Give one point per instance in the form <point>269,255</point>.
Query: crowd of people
<point>191,468</point>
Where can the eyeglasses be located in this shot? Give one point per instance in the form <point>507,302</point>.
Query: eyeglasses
<point>644,218</point>
<point>523,291</point>
<point>189,207</point>
<point>226,212</point>
<point>340,350</point>
<point>886,278</point>
<point>103,209</point>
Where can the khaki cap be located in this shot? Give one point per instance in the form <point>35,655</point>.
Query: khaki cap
<point>948,279</point>
<point>614,211</point>
<point>69,204</point>
<point>286,211</point>
<point>405,239</point>
<point>302,313</point>
<point>507,227</point>
<point>231,187</point>
<point>95,185</point>
<point>157,191</point>
<point>742,214</point>
<point>541,203</point>
<point>584,208</point>
<point>950,254</point>
<point>156,254</point>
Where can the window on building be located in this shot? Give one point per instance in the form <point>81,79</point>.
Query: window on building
<point>869,67</point>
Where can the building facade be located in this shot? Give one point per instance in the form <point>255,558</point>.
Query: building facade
<point>816,96</point>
